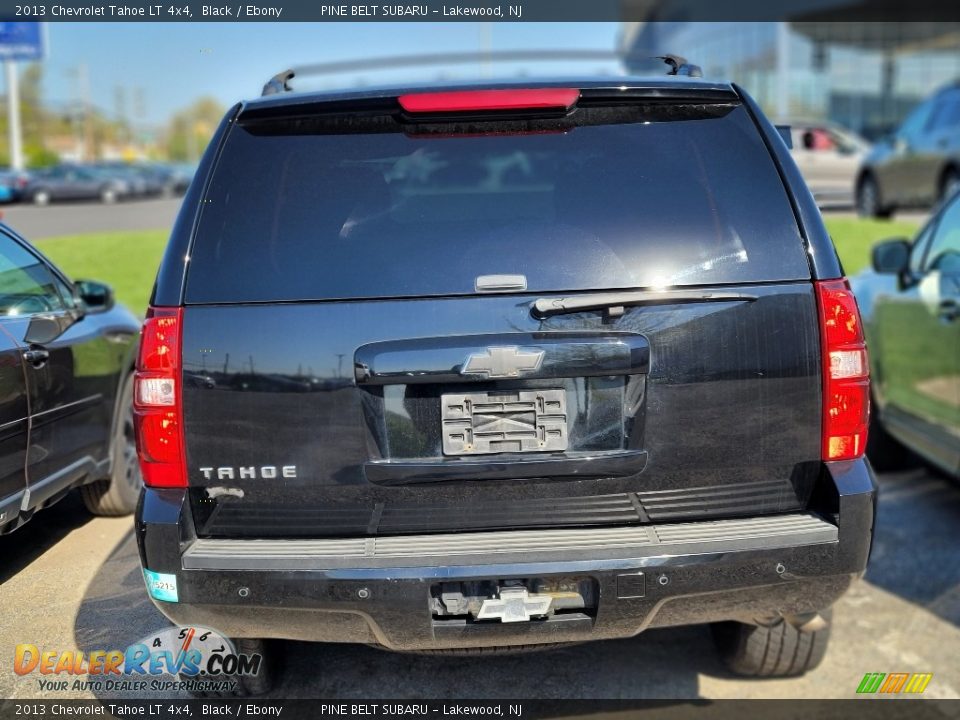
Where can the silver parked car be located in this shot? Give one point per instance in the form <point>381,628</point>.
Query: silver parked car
<point>829,156</point>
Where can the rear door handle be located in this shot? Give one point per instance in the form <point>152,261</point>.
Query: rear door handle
<point>36,356</point>
<point>504,356</point>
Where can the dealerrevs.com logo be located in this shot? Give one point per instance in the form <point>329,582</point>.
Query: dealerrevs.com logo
<point>895,683</point>
<point>203,659</point>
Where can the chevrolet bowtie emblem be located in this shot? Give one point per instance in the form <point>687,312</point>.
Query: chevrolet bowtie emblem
<point>503,362</point>
<point>515,604</point>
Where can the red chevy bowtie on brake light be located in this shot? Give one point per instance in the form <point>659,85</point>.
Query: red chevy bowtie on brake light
<point>846,372</point>
<point>490,100</point>
<point>157,401</point>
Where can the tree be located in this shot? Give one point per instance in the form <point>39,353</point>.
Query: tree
<point>32,115</point>
<point>190,129</point>
<point>31,104</point>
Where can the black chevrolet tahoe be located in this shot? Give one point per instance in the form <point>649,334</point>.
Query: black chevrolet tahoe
<point>476,367</point>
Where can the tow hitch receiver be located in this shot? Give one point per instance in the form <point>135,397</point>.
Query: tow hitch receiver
<point>514,604</point>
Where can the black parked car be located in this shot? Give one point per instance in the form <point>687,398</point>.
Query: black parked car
<point>919,165</point>
<point>150,179</point>
<point>179,176</point>
<point>66,356</point>
<point>172,179</point>
<point>75,182</point>
<point>537,363</point>
<point>911,309</point>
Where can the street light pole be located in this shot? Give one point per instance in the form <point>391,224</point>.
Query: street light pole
<point>13,114</point>
<point>783,71</point>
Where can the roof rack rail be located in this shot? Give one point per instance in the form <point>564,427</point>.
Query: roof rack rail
<point>680,66</point>
<point>279,82</point>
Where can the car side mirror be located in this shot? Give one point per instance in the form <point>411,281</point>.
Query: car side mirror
<point>891,257</point>
<point>96,296</point>
<point>44,329</point>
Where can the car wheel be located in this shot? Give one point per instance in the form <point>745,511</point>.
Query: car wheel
<point>247,685</point>
<point>118,495</point>
<point>868,199</point>
<point>41,197</point>
<point>108,195</point>
<point>777,650</point>
<point>949,185</point>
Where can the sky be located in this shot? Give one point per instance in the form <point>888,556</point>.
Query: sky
<point>175,63</point>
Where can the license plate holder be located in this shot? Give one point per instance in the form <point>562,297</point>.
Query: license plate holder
<point>521,421</point>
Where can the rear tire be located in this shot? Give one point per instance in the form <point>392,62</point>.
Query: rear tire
<point>108,196</point>
<point>41,198</point>
<point>869,203</point>
<point>118,495</point>
<point>779,650</point>
<point>247,685</point>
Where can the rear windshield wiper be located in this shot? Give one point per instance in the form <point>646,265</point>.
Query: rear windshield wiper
<point>613,303</point>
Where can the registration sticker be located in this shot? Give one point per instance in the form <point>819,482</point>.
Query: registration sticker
<point>161,586</point>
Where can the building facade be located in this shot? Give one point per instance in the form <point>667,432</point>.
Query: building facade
<point>866,76</point>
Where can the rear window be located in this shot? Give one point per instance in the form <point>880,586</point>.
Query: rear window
<point>345,211</point>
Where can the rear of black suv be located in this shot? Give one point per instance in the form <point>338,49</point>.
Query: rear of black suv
<point>504,366</point>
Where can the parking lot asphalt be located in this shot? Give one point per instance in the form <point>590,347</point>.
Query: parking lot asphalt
<point>37,223</point>
<point>73,582</point>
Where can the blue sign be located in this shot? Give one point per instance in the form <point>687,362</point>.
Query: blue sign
<point>21,41</point>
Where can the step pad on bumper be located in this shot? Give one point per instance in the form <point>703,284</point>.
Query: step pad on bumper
<point>511,546</point>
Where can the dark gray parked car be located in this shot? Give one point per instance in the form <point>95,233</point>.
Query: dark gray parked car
<point>74,182</point>
<point>919,165</point>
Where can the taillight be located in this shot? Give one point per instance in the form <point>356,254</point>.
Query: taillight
<point>490,100</point>
<point>846,372</point>
<point>157,401</point>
